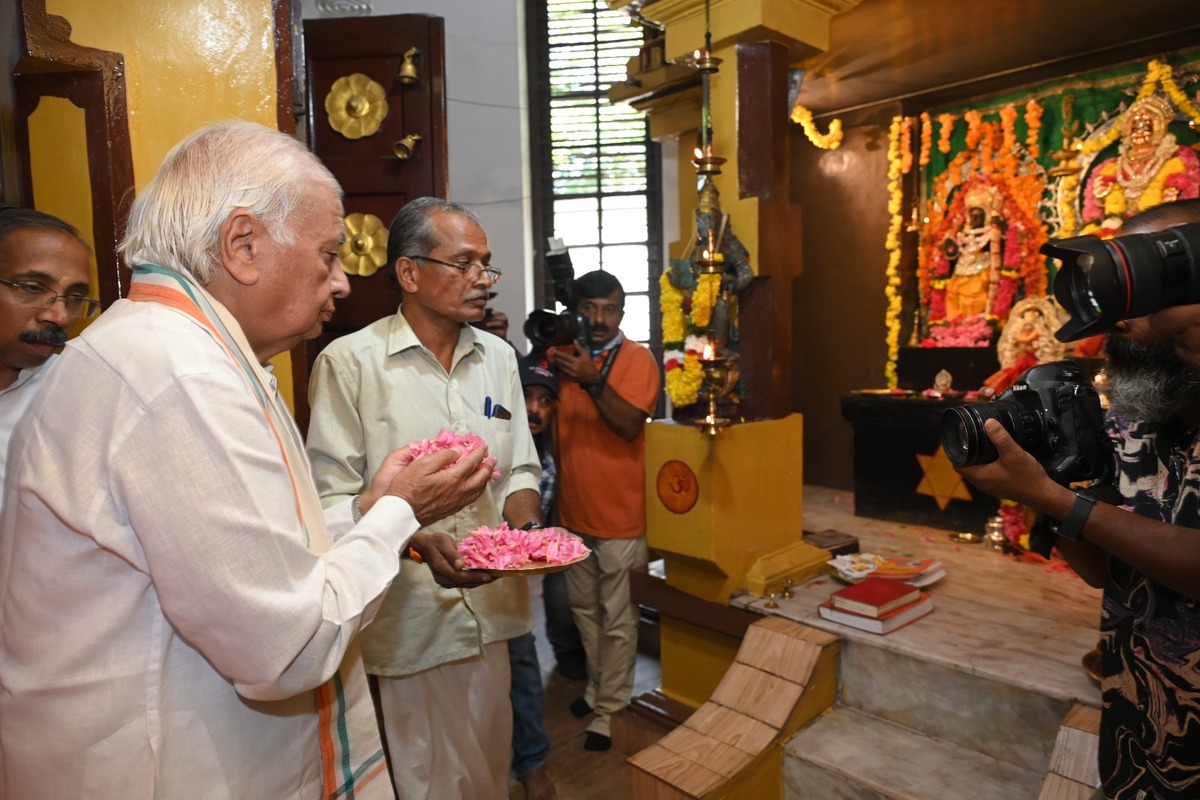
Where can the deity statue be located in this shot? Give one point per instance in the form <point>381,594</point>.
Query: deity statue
<point>1150,168</point>
<point>1027,340</point>
<point>975,252</point>
<point>716,238</point>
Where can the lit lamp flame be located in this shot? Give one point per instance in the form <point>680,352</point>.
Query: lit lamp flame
<point>708,352</point>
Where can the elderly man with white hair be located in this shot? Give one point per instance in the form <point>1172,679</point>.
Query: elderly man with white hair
<point>177,615</point>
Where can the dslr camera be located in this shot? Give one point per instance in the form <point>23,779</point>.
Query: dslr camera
<point>1052,412</point>
<point>545,328</point>
<point>1102,282</point>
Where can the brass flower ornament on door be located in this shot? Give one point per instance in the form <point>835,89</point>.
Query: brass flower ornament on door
<point>365,248</point>
<point>356,106</point>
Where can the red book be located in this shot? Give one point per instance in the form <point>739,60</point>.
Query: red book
<point>874,596</point>
<point>889,622</point>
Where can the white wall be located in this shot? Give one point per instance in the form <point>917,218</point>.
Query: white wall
<point>487,117</point>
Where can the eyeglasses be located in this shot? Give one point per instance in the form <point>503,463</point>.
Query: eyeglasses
<point>34,295</point>
<point>468,270</point>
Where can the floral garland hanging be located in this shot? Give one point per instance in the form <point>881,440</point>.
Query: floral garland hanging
<point>826,141</point>
<point>926,139</point>
<point>946,121</point>
<point>683,371</point>
<point>892,246</point>
<point>1033,122</point>
<point>685,321</point>
<point>906,152</point>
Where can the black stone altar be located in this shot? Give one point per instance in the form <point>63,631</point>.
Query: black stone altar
<point>889,433</point>
<point>969,366</point>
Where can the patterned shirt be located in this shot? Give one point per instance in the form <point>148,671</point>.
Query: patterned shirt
<point>1150,634</point>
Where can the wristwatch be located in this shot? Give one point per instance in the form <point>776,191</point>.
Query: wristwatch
<point>1072,527</point>
<point>594,387</point>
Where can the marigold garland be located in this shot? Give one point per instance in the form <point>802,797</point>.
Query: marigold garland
<point>906,153</point>
<point>926,139</point>
<point>707,289</point>
<point>973,119</point>
<point>892,245</point>
<point>1033,120</point>
<point>671,304</point>
<point>683,316</point>
<point>826,141</point>
<point>1008,118</point>
<point>946,121</point>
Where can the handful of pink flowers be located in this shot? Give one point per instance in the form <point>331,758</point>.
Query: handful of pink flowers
<point>465,443</point>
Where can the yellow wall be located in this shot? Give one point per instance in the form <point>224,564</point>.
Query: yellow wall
<point>186,63</point>
<point>58,161</point>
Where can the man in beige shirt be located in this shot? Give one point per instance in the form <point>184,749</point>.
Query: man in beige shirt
<point>404,378</point>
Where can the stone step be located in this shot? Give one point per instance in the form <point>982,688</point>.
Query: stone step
<point>847,754</point>
<point>1012,724</point>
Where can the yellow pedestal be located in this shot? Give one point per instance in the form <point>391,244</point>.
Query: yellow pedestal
<point>725,510</point>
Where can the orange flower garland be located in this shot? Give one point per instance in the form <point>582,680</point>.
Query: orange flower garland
<point>906,153</point>
<point>1008,118</point>
<point>946,121</point>
<point>926,139</point>
<point>1033,119</point>
<point>973,119</point>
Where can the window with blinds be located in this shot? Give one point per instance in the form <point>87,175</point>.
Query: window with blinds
<point>599,175</point>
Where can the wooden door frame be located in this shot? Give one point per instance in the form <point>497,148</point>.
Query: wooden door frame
<point>51,65</point>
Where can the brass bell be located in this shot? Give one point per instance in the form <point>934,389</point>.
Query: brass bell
<point>405,147</point>
<point>408,68</point>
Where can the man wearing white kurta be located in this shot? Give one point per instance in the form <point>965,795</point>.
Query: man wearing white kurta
<point>405,378</point>
<point>175,620</point>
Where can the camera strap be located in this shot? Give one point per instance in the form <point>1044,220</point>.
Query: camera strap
<point>609,357</point>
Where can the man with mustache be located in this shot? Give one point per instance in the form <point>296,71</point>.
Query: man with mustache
<point>609,391</point>
<point>439,656</point>
<point>179,617</point>
<point>44,269</point>
<point>1147,562</point>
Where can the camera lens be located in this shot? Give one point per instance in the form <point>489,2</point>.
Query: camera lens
<point>966,442</point>
<point>1102,282</point>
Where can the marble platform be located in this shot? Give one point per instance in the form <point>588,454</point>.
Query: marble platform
<point>965,702</point>
<point>1026,625</point>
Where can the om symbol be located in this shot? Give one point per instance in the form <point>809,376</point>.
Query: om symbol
<point>677,487</point>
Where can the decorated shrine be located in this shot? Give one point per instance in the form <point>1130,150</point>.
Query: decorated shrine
<point>984,186</point>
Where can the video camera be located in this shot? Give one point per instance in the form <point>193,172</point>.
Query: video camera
<point>546,328</point>
<point>1102,282</point>
<point>1052,412</point>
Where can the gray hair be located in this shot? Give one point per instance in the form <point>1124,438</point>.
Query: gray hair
<point>411,231</point>
<point>176,220</point>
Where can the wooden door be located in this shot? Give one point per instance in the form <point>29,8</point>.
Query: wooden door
<point>352,64</point>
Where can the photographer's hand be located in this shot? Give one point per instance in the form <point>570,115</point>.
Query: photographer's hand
<point>1016,475</point>
<point>574,364</point>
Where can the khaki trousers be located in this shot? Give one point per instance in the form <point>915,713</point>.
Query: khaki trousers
<point>607,620</point>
